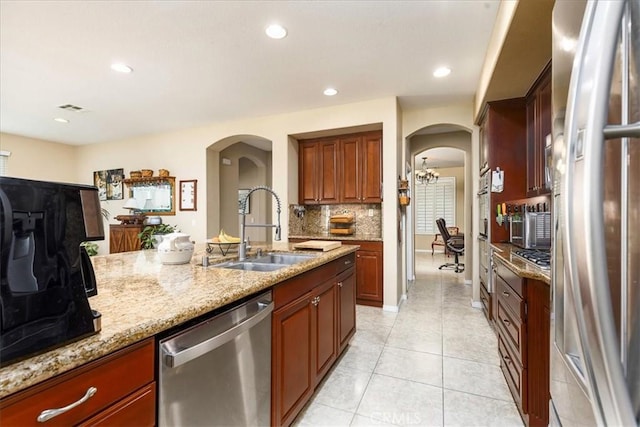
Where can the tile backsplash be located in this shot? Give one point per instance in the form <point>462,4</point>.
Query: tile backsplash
<point>315,220</point>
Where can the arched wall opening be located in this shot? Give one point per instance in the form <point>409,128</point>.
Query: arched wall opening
<point>234,163</point>
<point>442,135</point>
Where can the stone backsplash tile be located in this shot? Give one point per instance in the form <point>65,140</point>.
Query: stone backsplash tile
<point>315,220</point>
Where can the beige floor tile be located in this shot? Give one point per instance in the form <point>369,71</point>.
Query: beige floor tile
<point>463,409</point>
<point>343,388</point>
<point>475,378</point>
<point>411,365</point>
<point>317,414</point>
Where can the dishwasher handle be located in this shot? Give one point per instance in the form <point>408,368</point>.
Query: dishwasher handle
<point>173,359</point>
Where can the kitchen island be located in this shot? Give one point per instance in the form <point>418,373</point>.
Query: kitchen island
<point>139,298</point>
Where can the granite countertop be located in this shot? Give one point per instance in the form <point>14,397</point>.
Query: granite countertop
<point>342,237</point>
<point>139,297</point>
<point>518,265</point>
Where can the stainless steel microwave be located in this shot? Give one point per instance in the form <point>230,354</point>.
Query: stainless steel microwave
<point>531,230</point>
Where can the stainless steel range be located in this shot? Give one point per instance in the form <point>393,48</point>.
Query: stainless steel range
<point>540,258</point>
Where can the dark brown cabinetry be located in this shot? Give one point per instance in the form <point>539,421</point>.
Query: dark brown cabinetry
<point>318,171</point>
<point>369,287</point>
<point>126,393</point>
<point>124,238</point>
<point>538,130</point>
<point>503,137</point>
<point>523,322</point>
<point>341,169</point>
<point>361,168</point>
<point>313,319</point>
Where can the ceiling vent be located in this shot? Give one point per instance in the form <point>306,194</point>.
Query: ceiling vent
<point>72,108</point>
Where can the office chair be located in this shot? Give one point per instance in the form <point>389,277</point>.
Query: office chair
<point>454,243</point>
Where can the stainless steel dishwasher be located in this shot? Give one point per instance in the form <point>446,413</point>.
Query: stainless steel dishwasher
<point>218,372</point>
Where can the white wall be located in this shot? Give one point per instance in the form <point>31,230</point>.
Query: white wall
<point>37,159</point>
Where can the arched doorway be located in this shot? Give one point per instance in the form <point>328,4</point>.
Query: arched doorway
<point>441,137</point>
<point>235,163</point>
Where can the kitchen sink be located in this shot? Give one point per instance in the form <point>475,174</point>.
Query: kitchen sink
<point>251,266</point>
<point>281,258</point>
<point>268,262</point>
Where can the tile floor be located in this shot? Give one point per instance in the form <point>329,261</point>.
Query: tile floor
<point>434,363</point>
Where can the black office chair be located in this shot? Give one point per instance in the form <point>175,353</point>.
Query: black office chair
<point>455,244</point>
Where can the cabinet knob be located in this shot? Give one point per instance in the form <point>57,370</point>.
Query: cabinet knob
<point>315,301</point>
<point>506,322</point>
<point>340,284</point>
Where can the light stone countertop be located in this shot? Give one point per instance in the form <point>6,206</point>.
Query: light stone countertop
<point>139,297</point>
<point>342,237</point>
<point>519,266</point>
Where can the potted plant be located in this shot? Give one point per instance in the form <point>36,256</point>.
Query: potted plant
<point>150,236</point>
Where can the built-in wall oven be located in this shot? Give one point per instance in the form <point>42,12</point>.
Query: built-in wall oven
<point>484,202</point>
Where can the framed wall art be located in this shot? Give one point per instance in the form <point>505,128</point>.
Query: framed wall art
<point>189,195</point>
<point>109,183</point>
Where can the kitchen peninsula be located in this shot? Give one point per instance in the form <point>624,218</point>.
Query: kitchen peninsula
<point>140,298</point>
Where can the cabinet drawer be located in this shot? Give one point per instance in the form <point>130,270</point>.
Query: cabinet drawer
<point>345,262</point>
<point>509,277</point>
<point>515,375</point>
<point>139,410</point>
<point>485,298</point>
<point>510,299</point>
<point>114,377</point>
<point>512,332</point>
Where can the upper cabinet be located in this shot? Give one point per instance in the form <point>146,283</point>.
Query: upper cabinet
<point>341,169</point>
<point>538,132</point>
<point>504,134</point>
<point>318,171</point>
<point>361,179</point>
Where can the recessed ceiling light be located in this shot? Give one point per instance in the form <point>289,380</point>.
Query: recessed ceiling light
<point>330,91</point>
<point>442,72</point>
<point>121,68</point>
<point>61,120</point>
<point>276,31</point>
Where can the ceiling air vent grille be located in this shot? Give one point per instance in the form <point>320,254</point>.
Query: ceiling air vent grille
<point>71,107</point>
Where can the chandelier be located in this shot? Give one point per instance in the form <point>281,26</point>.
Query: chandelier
<point>426,175</point>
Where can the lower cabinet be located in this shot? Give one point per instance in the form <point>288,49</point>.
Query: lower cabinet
<point>522,322</point>
<point>123,386</point>
<point>124,238</point>
<point>313,320</point>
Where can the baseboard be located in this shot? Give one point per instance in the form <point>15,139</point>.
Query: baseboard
<point>476,304</point>
<point>392,308</point>
<point>468,282</point>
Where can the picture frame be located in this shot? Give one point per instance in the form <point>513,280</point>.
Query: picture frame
<point>189,195</point>
<point>242,193</point>
<point>109,184</point>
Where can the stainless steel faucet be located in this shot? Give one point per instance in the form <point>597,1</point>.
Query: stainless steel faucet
<point>242,251</point>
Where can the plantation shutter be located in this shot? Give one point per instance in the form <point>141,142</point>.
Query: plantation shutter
<point>4,160</point>
<point>435,201</point>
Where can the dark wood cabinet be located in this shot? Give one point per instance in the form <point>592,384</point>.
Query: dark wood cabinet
<point>538,132</point>
<point>504,136</point>
<point>346,292</point>
<point>131,397</point>
<point>369,287</point>
<point>124,238</point>
<point>318,171</point>
<point>310,311</point>
<point>361,168</point>
<point>340,169</point>
<point>522,323</point>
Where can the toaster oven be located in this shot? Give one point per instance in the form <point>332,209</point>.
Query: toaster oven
<point>531,230</point>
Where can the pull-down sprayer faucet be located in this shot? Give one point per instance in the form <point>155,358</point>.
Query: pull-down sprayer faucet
<point>242,251</point>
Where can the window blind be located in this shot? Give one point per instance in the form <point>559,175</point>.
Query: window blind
<point>4,160</point>
<point>435,201</point>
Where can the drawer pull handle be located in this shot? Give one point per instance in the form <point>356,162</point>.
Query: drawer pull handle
<point>47,414</point>
<point>507,358</point>
<point>347,262</point>
<point>506,294</point>
<point>506,321</point>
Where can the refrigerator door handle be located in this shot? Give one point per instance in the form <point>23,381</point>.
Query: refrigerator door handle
<point>583,223</point>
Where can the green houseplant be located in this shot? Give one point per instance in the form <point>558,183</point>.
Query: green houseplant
<point>148,234</point>
<point>92,247</point>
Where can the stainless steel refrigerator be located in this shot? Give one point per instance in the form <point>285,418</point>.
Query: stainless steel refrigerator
<point>595,329</point>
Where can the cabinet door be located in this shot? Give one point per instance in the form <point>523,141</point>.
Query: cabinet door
<point>346,283</point>
<point>307,165</point>
<point>369,277</point>
<point>325,328</point>
<point>350,169</point>
<point>371,176</point>
<point>532,147</point>
<point>327,175</point>
<point>293,360</point>
<point>124,238</point>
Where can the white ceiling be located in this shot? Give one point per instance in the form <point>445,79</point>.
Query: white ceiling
<point>201,62</point>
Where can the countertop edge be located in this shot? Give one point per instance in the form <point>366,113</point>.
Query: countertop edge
<point>520,267</point>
